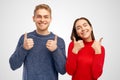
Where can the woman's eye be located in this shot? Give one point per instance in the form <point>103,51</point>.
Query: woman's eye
<point>78,28</point>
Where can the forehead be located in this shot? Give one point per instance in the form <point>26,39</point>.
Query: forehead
<point>81,22</point>
<point>42,12</point>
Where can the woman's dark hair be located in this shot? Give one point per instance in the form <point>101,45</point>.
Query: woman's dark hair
<point>74,33</point>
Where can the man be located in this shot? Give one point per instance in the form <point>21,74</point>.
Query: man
<point>41,51</point>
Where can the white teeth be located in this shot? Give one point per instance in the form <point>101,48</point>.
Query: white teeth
<point>41,24</point>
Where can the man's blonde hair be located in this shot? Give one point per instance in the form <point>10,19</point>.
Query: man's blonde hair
<point>42,6</point>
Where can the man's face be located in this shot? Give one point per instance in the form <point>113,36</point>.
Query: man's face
<point>42,19</point>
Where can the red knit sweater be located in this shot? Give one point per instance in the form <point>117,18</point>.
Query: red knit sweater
<point>86,65</point>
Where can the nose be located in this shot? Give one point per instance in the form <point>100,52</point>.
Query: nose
<point>83,28</point>
<point>42,19</point>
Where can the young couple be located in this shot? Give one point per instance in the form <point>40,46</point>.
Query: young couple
<point>43,53</point>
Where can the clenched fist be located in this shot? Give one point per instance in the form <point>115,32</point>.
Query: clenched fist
<point>77,45</point>
<point>28,42</point>
<point>97,46</point>
<point>52,44</point>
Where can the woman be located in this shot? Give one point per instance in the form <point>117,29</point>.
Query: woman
<point>85,55</point>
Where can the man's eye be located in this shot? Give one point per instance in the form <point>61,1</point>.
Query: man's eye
<point>46,17</point>
<point>38,16</point>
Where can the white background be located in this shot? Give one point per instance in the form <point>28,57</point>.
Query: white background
<point>16,19</point>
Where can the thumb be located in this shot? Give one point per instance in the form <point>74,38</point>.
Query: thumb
<point>25,36</point>
<point>100,40</point>
<point>55,39</point>
<point>74,39</point>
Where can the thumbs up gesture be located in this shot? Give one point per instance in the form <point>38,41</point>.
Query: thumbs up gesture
<point>77,45</point>
<point>28,42</point>
<point>97,46</point>
<point>52,44</point>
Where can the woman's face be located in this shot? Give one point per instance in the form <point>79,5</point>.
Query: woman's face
<point>83,30</point>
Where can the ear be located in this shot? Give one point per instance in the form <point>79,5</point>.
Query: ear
<point>50,18</point>
<point>33,18</point>
<point>91,28</point>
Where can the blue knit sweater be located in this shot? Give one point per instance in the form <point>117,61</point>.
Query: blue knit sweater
<point>39,62</point>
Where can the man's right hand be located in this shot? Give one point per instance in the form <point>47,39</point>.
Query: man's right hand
<point>28,42</point>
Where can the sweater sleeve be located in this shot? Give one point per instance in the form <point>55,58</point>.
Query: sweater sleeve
<point>17,58</point>
<point>59,56</point>
<point>71,63</point>
<point>98,62</point>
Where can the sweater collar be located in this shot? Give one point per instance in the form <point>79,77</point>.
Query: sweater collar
<point>39,35</point>
<point>89,43</point>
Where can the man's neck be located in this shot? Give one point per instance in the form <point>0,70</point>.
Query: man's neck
<point>43,32</point>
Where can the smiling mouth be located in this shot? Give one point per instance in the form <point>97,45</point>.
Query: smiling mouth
<point>42,24</point>
<point>84,32</point>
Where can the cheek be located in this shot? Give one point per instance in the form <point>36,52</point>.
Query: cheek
<point>36,20</point>
<point>79,32</point>
<point>49,20</point>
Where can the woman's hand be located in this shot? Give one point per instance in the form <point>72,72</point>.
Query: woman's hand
<point>97,46</point>
<point>77,45</point>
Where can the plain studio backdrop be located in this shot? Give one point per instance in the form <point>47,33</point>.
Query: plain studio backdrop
<point>16,19</point>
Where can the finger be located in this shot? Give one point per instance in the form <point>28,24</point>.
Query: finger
<point>48,45</point>
<point>100,40</point>
<point>49,41</point>
<point>55,39</point>
<point>74,39</point>
<point>30,41</point>
<point>25,36</point>
<point>31,44</point>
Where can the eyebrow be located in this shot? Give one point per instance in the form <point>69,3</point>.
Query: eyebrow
<point>85,23</point>
<point>78,26</point>
<point>82,24</point>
